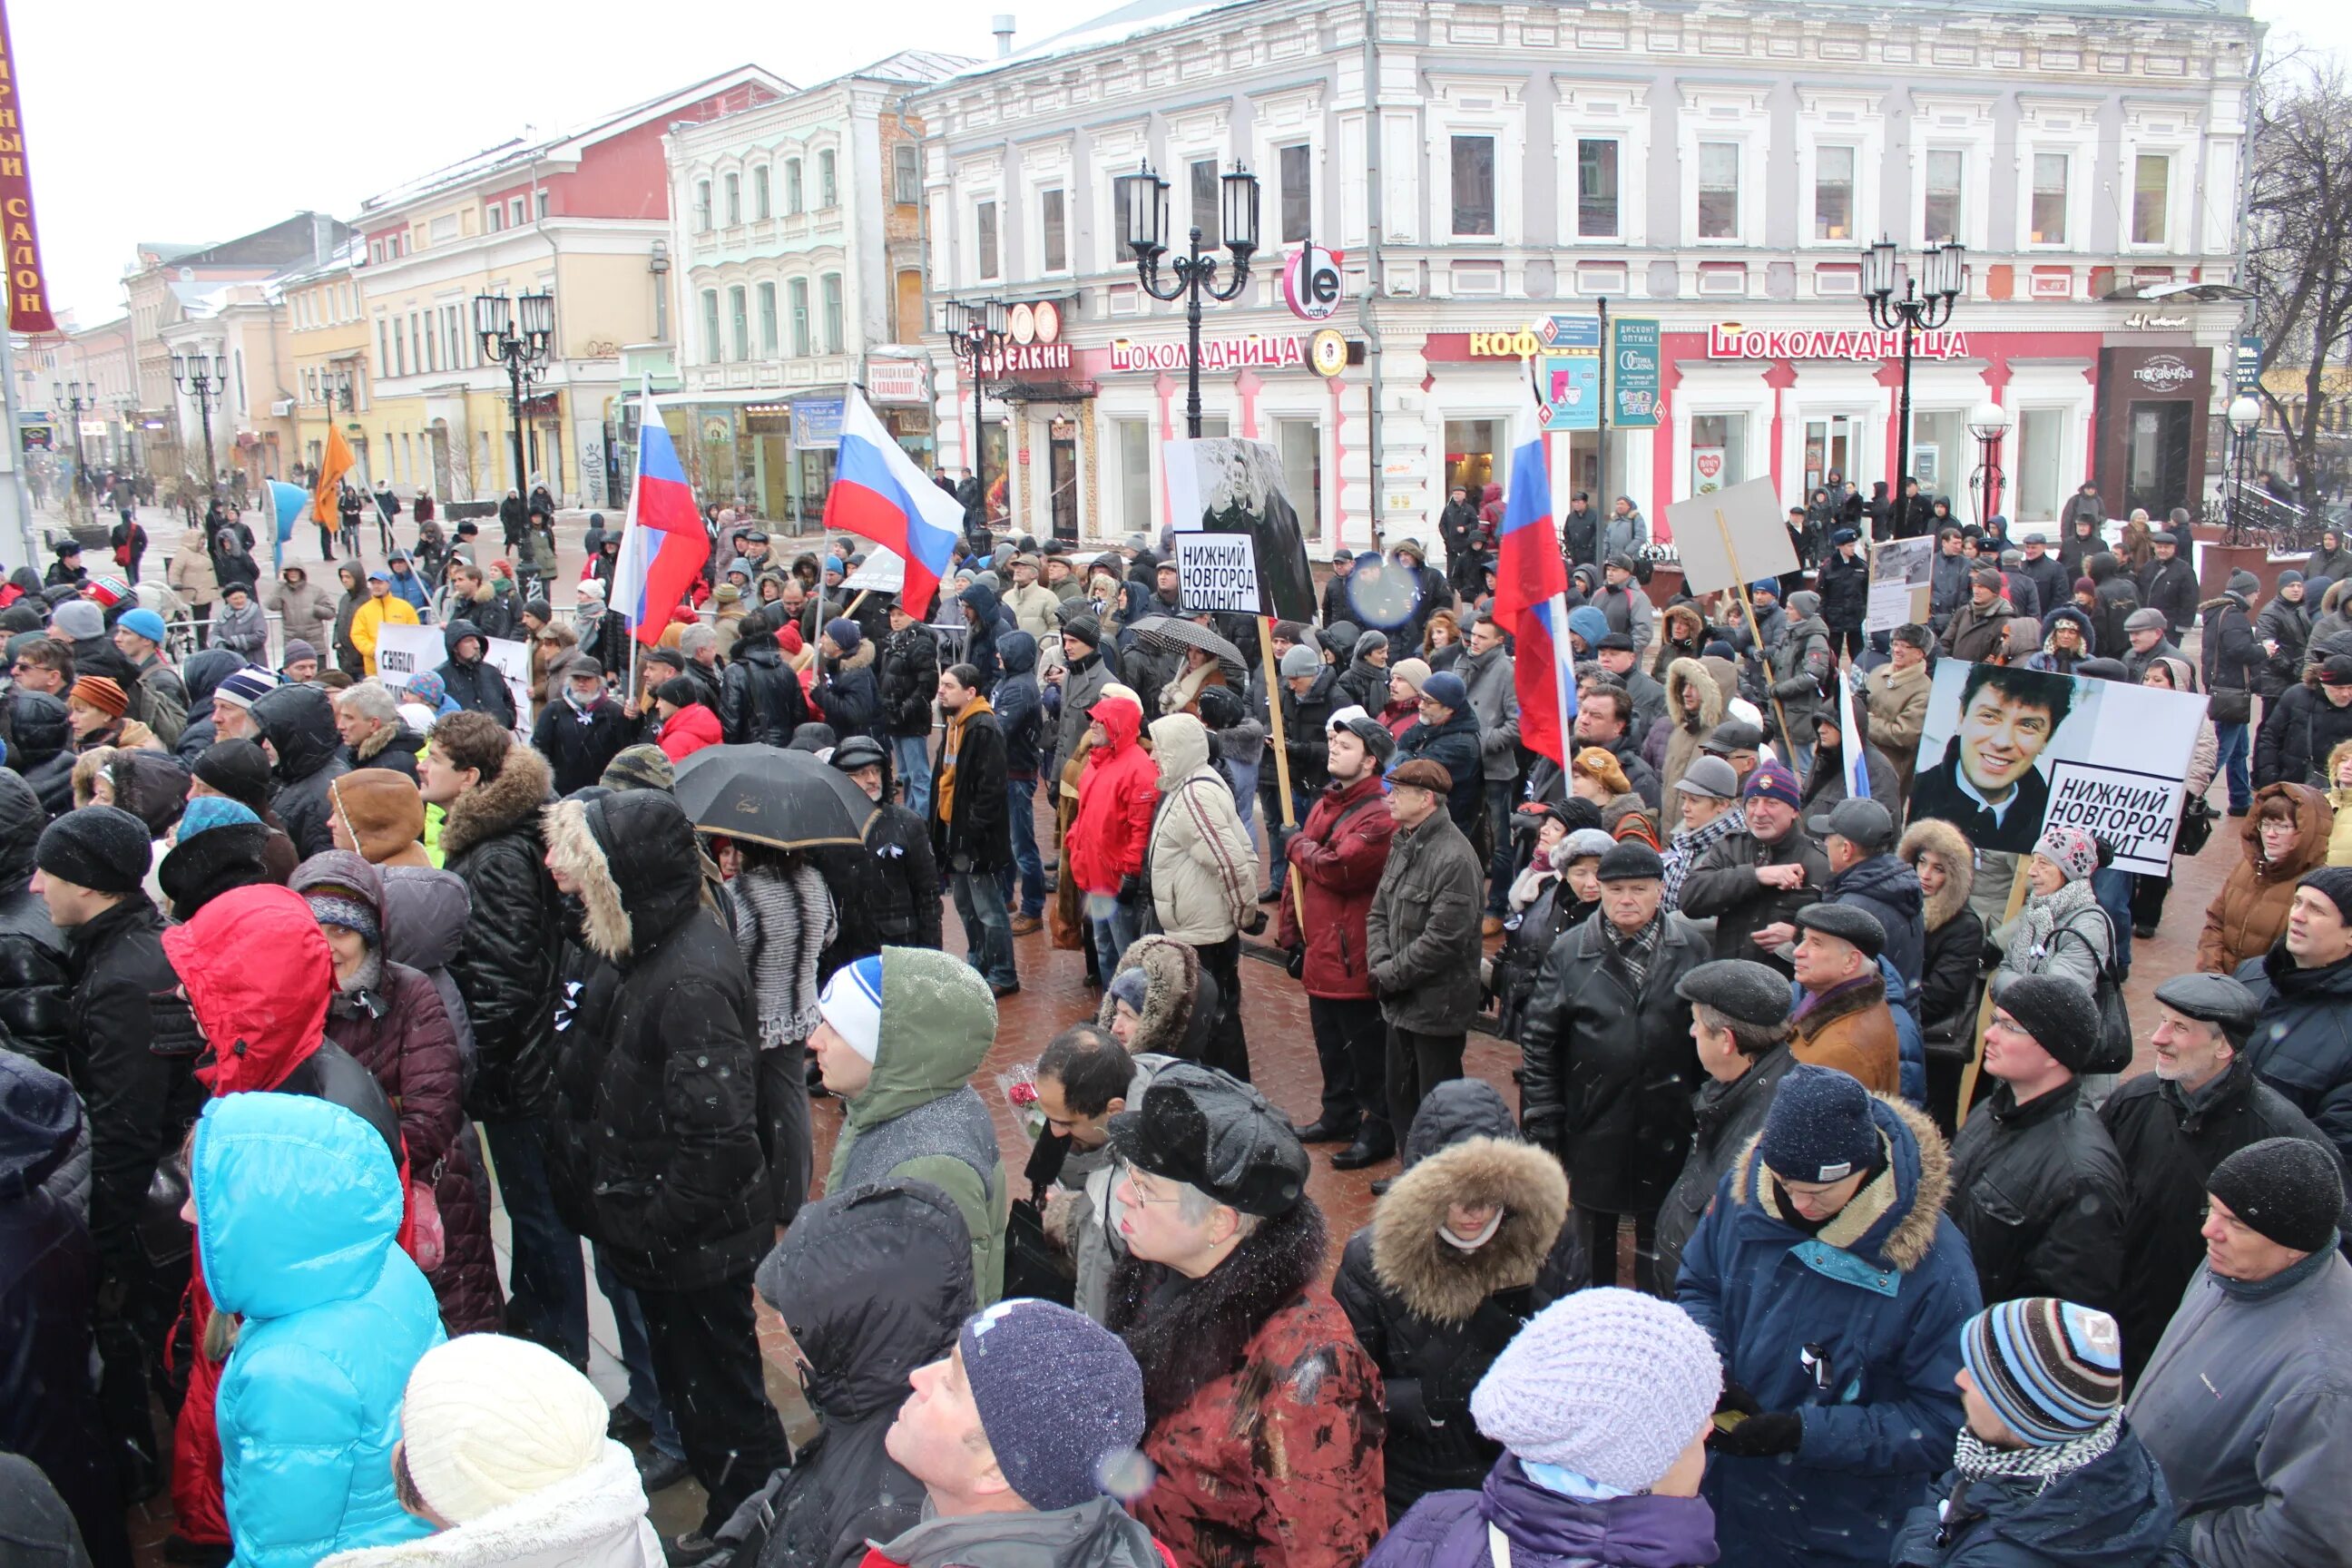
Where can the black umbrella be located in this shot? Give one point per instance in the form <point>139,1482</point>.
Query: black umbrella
<point>786,800</point>
<point>1171,633</point>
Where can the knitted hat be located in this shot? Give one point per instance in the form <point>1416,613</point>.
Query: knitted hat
<point>1445,689</point>
<point>851,1003</point>
<point>1612,1385</point>
<point>1422,773</point>
<point>101,847</point>
<point>207,811</point>
<point>2051,1370</point>
<point>1301,660</point>
<point>98,691</point>
<point>297,649</point>
<point>1060,1396</point>
<point>2332,883</point>
<point>78,620</point>
<point>1773,781</point>
<point>844,634</point>
<point>588,588</point>
<point>490,1420</point>
<point>2057,1011</point>
<point>1804,601</point>
<point>380,810</point>
<point>1819,1128</point>
<point>1413,672</point>
<point>639,767</point>
<point>1710,778</point>
<point>1084,629</point>
<point>334,904</point>
<point>2244,583</point>
<point>1630,860</point>
<point>1131,986</point>
<point>240,770</point>
<point>143,621</point>
<point>2069,849</point>
<point>2085,585</point>
<point>2288,1189</point>
<point>1739,988</point>
<point>2289,576</point>
<point>241,688</point>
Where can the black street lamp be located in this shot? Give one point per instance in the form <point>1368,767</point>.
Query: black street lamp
<point>522,346</point>
<point>1928,294</point>
<point>69,397</point>
<point>1195,274</point>
<point>206,381</point>
<point>977,334</point>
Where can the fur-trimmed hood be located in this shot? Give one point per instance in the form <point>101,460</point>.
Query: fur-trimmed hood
<point>633,858</point>
<point>499,804</point>
<point>1891,1223</point>
<point>1187,1338</point>
<point>1947,841</point>
<point>1438,1281</point>
<point>1170,1023</point>
<point>1680,674</point>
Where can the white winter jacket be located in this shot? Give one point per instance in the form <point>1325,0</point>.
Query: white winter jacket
<point>1202,870</point>
<point>595,1520</point>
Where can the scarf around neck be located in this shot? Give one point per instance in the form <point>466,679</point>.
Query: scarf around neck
<point>1978,1460</point>
<point>783,920</point>
<point>1635,951</point>
<point>2045,914</point>
<point>943,785</point>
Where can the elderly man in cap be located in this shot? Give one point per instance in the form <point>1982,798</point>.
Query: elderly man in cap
<point>1896,698</point>
<point>2299,1046</point>
<point>1421,938</point>
<point>2168,583</point>
<point>1710,793</point>
<point>2172,1127</point>
<point>1221,1299</point>
<point>2037,1186</point>
<point>1031,603</point>
<point>1857,838</point>
<point>2243,1404</point>
<point>1339,854</point>
<point>1842,1019</point>
<point>1834,1285</point>
<point>1753,882</point>
<point>1610,1068</point>
<point>2045,1468</point>
<point>1622,600</point>
<point>1739,1021</point>
<point>2149,636</point>
<point>1017,1436</point>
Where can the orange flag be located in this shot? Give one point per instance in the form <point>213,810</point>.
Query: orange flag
<point>332,469</point>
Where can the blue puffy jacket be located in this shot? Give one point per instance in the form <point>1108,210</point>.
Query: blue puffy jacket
<point>1881,1312</point>
<point>2115,1512</point>
<point>296,1207</point>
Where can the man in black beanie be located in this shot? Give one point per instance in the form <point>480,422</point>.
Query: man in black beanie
<point>2243,1402</point>
<point>131,1049</point>
<point>2037,1187</point>
<point>2304,987</point>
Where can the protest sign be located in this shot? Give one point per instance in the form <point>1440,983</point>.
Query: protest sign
<point>1900,571</point>
<point>404,652</point>
<point>2005,753</point>
<point>1228,487</point>
<point>885,571</point>
<point>1731,536</point>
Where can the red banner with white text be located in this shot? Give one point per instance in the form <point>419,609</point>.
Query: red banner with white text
<point>28,286</point>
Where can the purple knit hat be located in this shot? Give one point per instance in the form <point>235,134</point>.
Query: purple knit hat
<point>1773,781</point>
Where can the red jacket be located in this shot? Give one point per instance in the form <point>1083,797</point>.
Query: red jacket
<point>688,730</point>
<point>1116,797</point>
<point>1339,854</point>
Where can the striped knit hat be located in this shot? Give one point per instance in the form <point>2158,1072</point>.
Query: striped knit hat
<point>2052,1371</point>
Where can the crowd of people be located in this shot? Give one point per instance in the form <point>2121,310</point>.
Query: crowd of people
<point>1764,1261</point>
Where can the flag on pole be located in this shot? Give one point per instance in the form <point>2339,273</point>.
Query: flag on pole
<point>332,466</point>
<point>663,544</point>
<point>879,494</point>
<point>285,503</point>
<point>1852,756</point>
<point>1531,604</point>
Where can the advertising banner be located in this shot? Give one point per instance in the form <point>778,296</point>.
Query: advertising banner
<point>28,286</point>
<point>1633,373</point>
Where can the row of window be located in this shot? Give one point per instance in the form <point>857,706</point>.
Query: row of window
<point>497,217</point>
<point>1198,207</point>
<point>735,343</point>
<point>907,187</point>
<point>326,305</point>
<point>315,385</point>
<point>419,341</point>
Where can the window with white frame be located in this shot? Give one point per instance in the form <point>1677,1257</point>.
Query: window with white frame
<point>833,324</point>
<point>796,293</point>
<point>514,212</point>
<point>1596,188</point>
<point>1834,167</point>
<point>2041,433</point>
<point>768,342</point>
<point>828,193</point>
<point>739,317</point>
<point>497,215</point>
<point>2151,197</point>
<point>1053,217</point>
<point>734,200</point>
<point>1942,189</point>
<point>540,204</point>
<point>710,345</point>
<point>1202,182</point>
<point>1473,169</point>
<point>1297,168</point>
<point>701,208</point>
<point>1135,475</point>
<point>793,204</point>
<point>2046,219</point>
<point>905,175</point>
<point>761,205</point>
<point>1718,190</point>
<point>984,240</point>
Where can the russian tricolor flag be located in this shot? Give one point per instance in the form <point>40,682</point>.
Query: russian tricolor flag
<point>663,544</point>
<point>1531,604</point>
<point>879,494</point>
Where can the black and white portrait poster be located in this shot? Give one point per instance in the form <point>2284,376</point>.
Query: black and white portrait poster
<point>1239,547</point>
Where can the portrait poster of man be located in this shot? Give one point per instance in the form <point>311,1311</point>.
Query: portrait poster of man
<point>2006,752</point>
<point>1225,485</point>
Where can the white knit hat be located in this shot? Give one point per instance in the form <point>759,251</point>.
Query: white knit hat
<point>487,1419</point>
<point>1609,1384</point>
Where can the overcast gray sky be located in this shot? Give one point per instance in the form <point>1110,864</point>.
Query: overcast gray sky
<point>158,120</point>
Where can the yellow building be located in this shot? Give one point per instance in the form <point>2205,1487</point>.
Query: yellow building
<point>327,335</point>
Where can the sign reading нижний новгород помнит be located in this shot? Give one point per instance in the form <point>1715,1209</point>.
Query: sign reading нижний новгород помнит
<point>2133,813</point>
<point>1217,571</point>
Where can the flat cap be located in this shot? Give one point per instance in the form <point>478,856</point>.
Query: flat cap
<point>1732,735</point>
<point>1739,988</point>
<point>1866,822</point>
<point>2213,999</point>
<point>1631,861</point>
<point>2148,620</point>
<point>1847,922</point>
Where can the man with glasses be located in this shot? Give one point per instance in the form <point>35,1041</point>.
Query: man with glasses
<point>44,665</point>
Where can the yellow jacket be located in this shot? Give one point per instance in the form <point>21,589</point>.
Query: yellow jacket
<point>368,620</point>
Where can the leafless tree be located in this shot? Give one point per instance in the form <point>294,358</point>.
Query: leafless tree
<point>2299,241</point>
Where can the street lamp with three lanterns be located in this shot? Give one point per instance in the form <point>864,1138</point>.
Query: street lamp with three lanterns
<point>1925,304</point>
<point>519,333</point>
<point>206,381</point>
<point>1194,273</point>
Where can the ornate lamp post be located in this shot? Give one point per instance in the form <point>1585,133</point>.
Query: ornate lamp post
<point>206,381</point>
<point>1193,274</point>
<point>977,333</point>
<point>68,396</point>
<point>521,345</point>
<point>1926,303</point>
<point>2245,418</point>
<point>1989,424</point>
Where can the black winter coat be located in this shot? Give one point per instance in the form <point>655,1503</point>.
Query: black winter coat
<point>2231,659</point>
<point>299,721</point>
<point>2169,1150</point>
<point>1845,590</point>
<point>1453,745</point>
<point>761,701</point>
<point>2039,1191</point>
<point>1611,1067</point>
<point>1888,889</point>
<point>909,671</point>
<point>2302,1045</point>
<point>505,968</point>
<point>2289,626</point>
<point>888,892</point>
<point>873,1283</point>
<point>477,686</point>
<point>579,744</point>
<point>2299,731</point>
<point>1305,721</point>
<point>849,698</point>
<point>979,835</point>
<point>40,747</point>
<point>653,1145</point>
<point>1952,954</point>
<point>2171,586</point>
<point>1724,1117</point>
<point>36,988</point>
<point>1723,885</point>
